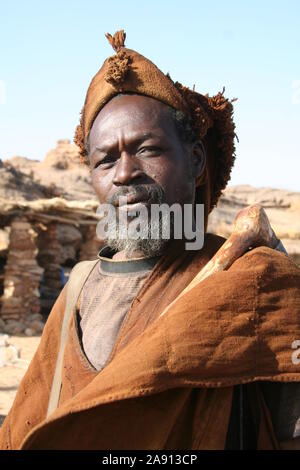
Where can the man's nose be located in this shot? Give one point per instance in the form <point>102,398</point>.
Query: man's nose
<point>127,170</point>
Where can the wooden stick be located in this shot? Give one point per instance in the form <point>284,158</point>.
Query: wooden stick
<point>251,229</point>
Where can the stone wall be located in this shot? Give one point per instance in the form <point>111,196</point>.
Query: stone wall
<point>20,308</point>
<point>35,264</point>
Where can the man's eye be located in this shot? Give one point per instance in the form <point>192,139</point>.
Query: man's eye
<point>105,163</point>
<point>149,150</point>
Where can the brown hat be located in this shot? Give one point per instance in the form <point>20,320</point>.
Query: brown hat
<point>130,72</point>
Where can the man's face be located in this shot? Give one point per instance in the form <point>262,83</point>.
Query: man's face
<point>135,150</point>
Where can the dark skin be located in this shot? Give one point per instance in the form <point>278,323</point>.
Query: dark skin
<point>134,141</point>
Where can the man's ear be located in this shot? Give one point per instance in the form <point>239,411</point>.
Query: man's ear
<point>199,162</point>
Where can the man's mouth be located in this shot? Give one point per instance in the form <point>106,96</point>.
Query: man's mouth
<point>131,201</point>
<point>137,197</point>
<point>132,204</point>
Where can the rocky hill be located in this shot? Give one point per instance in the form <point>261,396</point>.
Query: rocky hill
<point>61,171</point>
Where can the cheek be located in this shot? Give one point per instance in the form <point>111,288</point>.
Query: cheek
<point>173,177</point>
<point>101,184</point>
<point>161,170</point>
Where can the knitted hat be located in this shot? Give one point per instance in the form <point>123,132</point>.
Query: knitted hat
<point>129,72</point>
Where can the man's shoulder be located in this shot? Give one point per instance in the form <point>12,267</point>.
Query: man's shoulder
<point>264,278</point>
<point>83,265</point>
<point>262,260</point>
<point>267,262</point>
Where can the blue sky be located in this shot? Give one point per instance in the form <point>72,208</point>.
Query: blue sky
<point>49,52</point>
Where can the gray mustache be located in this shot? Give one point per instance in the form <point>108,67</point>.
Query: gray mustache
<point>152,194</point>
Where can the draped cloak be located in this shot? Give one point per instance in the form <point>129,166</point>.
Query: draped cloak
<point>169,381</point>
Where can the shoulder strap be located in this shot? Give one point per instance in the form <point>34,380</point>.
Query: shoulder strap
<point>78,276</point>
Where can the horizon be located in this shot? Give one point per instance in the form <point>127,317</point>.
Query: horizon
<point>50,52</point>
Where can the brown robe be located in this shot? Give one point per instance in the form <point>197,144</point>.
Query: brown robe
<point>169,381</point>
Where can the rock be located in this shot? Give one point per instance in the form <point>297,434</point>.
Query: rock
<point>17,185</point>
<point>50,258</point>
<point>33,317</point>
<point>64,156</point>
<point>91,245</point>
<point>2,325</point>
<point>30,332</point>
<point>37,326</point>
<point>4,238</point>
<point>60,174</point>
<point>69,252</point>
<point>14,327</point>
<point>67,234</point>
<point>22,274</point>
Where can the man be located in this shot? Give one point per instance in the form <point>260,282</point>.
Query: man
<point>206,375</point>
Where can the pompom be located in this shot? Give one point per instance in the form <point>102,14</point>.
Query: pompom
<point>118,67</point>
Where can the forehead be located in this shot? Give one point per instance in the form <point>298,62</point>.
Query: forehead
<point>130,115</point>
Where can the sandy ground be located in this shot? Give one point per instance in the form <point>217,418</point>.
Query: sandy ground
<point>11,374</point>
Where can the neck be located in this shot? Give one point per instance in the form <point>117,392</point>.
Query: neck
<point>124,255</point>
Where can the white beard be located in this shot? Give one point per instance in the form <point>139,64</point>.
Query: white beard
<point>119,239</point>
